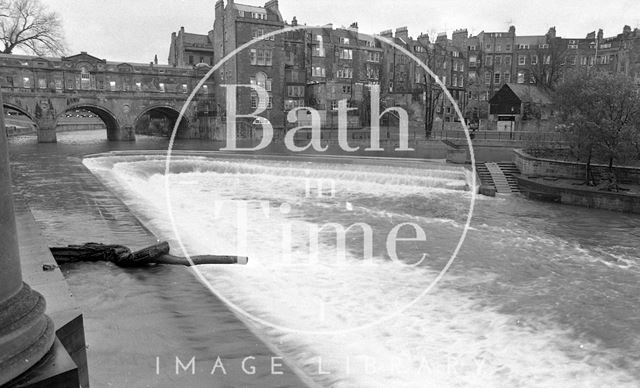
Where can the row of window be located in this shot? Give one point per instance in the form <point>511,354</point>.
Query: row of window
<point>371,56</point>
<point>490,60</point>
<point>85,84</point>
<point>253,15</point>
<point>498,47</point>
<point>505,77</point>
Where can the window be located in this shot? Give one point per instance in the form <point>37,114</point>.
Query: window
<point>444,64</point>
<point>547,59</point>
<point>42,83</point>
<point>455,66</point>
<point>373,56</point>
<point>583,61</point>
<point>496,78</point>
<point>372,72</point>
<point>499,47</point>
<point>472,61</point>
<point>290,104</point>
<point>508,47</point>
<point>488,46</point>
<point>346,54</point>
<point>241,13</point>
<point>455,81</point>
<point>523,47</point>
<point>571,60</point>
<point>185,89</point>
<point>161,85</point>
<point>138,86</point>
<point>344,40</point>
<point>534,59</point>
<point>507,60</point>
<point>295,91</point>
<point>543,46</point>
<point>489,61</point>
<point>507,77</point>
<point>444,79</point>
<point>318,50</point>
<point>520,77</point>
<point>461,82</point>
<point>259,15</point>
<point>344,73</point>
<point>369,43</point>
<point>498,60</point>
<point>472,48</point>
<point>487,78</point>
<point>318,71</point>
<point>346,89</point>
<point>26,82</point>
<point>261,57</point>
<point>112,86</point>
<point>522,60</point>
<point>58,83</point>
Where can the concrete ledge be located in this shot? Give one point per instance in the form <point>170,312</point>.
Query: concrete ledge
<point>590,198</point>
<point>61,307</point>
<point>531,165</point>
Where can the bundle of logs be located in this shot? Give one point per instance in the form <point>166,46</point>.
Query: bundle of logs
<point>124,257</point>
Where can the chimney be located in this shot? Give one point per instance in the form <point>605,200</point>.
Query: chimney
<point>600,34</point>
<point>294,22</point>
<point>402,32</point>
<point>354,26</point>
<point>387,33</point>
<point>626,30</point>
<point>551,34</point>
<point>512,30</point>
<point>219,4</point>
<point>155,59</point>
<point>272,4</point>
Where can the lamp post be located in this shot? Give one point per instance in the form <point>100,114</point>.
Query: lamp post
<point>26,333</point>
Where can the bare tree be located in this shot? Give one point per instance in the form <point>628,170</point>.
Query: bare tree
<point>29,26</point>
<point>547,71</point>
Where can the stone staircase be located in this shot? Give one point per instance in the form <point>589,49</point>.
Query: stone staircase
<point>501,175</point>
<point>509,169</point>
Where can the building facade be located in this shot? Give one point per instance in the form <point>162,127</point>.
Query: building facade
<point>189,49</point>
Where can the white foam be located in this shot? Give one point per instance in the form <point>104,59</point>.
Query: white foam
<point>448,339</point>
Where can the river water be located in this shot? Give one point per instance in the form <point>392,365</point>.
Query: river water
<point>540,295</point>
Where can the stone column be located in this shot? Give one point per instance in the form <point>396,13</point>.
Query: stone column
<point>26,333</point>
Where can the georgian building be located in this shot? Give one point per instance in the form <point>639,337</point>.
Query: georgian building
<point>189,49</point>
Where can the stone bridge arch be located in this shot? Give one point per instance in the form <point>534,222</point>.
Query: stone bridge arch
<point>105,114</point>
<point>20,109</point>
<point>144,122</point>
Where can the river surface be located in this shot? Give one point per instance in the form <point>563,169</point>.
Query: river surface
<point>540,295</point>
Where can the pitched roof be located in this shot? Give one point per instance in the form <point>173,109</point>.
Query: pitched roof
<point>530,93</point>
<point>198,39</point>
<point>249,8</point>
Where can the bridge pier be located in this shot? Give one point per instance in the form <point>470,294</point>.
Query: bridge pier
<point>47,134</point>
<point>26,333</point>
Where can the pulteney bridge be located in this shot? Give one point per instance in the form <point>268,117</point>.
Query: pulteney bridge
<point>127,97</point>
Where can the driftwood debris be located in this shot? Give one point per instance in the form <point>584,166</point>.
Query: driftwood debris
<point>124,257</point>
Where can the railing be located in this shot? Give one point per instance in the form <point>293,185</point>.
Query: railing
<point>521,136</point>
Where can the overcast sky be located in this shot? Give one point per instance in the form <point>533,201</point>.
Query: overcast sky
<point>136,30</point>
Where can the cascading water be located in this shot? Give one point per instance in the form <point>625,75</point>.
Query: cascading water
<point>309,296</point>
